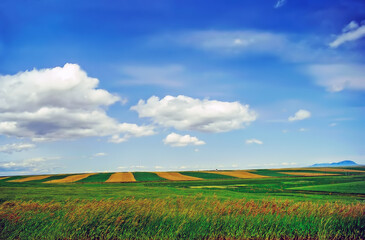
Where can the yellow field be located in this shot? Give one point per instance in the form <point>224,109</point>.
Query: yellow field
<point>121,177</point>
<point>72,178</point>
<point>336,170</point>
<point>30,178</point>
<point>174,176</point>
<point>309,174</point>
<point>238,174</point>
<point>1,178</point>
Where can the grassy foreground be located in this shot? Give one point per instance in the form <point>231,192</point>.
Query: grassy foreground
<point>181,219</point>
<point>276,207</point>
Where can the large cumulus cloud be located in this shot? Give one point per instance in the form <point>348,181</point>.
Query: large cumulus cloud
<point>186,113</point>
<point>59,103</point>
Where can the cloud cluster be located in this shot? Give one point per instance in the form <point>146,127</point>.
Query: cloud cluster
<point>255,141</point>
<point>16,147</point>
<point>58,103</point>
<point>350,32</point>
<point>176,140</point>
<point>186,113</point>
<point>337,77</point>
<point>300,115</point>
<point>29,165</point>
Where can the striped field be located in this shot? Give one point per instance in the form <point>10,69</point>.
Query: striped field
<point>72,178</point>
<point>125,177</point>
<point>174,176</point>
<point>32,178</point>
<point>121,177</point>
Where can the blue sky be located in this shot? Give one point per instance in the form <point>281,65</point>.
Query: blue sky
<point>180,85</point>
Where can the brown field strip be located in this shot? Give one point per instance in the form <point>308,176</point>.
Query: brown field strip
<point>238,174</point>
<point>336,170</point>
<point>1,178</point>
<point>72,178</point>
<point>174,176</point>
<point>309,174</point>
<point>121,177</point>
<point>30,178</point>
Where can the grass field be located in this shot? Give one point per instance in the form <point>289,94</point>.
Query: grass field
<point>274,207</point>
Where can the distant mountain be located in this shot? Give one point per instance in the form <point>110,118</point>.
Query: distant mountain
<point>345,163</point>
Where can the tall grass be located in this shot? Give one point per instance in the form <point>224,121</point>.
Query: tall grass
<point>181,218</point>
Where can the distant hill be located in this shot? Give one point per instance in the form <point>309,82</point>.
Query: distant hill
<point>345,163</point>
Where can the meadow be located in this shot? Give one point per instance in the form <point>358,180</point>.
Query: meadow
<point>257,204</point>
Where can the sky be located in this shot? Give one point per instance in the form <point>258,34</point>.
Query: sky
<point>167,85</point>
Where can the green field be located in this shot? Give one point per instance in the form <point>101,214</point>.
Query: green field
<point>147,176</point>
<point>276,207</point>
<point>101,177</point>
<point>351,187</point>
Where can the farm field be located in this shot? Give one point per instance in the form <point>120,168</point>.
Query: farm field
<point>271,204</point>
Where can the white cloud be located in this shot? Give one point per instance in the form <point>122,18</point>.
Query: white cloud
<point>303,129</point>
<point>235,41</point>
<point>26,166</point>
<point>16,147</point>
<point>280,3</point>
<point>351,26</point>
<point>337,77</point>
<point>252,42</point>
<point>350,32</point>
<point>166,76</point>
<point>300,115</point>
<point>186,113</point>
<point>176,140</point>
<point>59,103</point>
<point>100,154</point>
<point>333,125</point>
<point>253,140</point>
